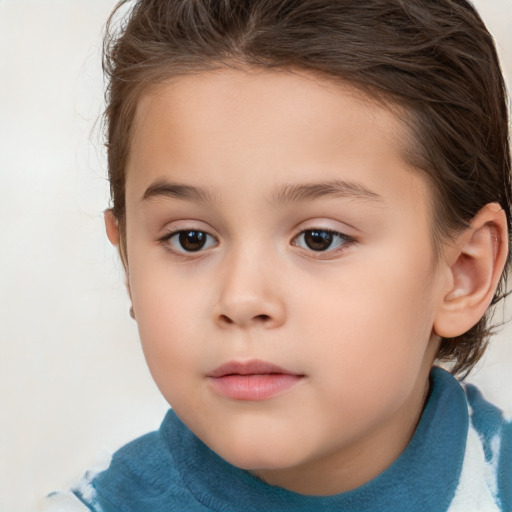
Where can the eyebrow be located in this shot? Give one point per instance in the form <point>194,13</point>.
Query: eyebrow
<point>317,190</point>
<point>289,193</point>
<point>177,191</point>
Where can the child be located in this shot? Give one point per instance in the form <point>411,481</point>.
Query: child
<point>311,200</point>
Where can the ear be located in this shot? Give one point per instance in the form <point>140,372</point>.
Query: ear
<point>475,264</point>
<point>114,236</point>
<point>111,227</point>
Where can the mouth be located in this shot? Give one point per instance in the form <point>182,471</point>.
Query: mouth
<point>252,380</point>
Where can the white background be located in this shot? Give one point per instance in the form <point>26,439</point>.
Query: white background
<point>73,382</point>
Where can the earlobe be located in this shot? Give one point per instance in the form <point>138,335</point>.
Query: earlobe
<point>477,260</point>
<point>111,226</point>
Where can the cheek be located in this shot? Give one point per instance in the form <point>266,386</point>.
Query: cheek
<point>169,313</point>
<point>373,322</point>
<point>167,321</point>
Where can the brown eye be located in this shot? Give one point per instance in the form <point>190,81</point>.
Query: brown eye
<point>192,240</point>
<point>189,240</point>
<point>318,240</point>
<point>321,240</point>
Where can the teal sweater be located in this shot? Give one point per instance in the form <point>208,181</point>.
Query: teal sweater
<point>459,459</point>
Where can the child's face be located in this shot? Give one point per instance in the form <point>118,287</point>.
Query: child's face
<point>305,243</point>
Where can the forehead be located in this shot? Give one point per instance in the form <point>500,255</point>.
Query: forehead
<point>255,127</point>
<point>231,109</point>
<point>293,97</point>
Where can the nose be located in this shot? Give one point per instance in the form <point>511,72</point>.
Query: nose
<point>249,293</point>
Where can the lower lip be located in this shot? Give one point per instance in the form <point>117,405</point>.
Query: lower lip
<point>254,387</point>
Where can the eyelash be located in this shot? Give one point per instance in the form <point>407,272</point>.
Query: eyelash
<point>166,240</point>
<point>343,240</point>
<point>329,235</point>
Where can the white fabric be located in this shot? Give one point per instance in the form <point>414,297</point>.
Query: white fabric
<point>477,485</point>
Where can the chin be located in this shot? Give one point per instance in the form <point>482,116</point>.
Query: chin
<point>257,457</point>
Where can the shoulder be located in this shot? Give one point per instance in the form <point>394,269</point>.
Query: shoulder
<point>487,466</point>
<point>142,476</point>
<point>487,419</point>
<point>494,431</point>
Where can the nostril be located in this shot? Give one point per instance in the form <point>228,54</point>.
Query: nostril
<point>226,319</point>
<point>258,318</point>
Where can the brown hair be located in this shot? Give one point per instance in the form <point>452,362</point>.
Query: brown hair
<point>435,59</point>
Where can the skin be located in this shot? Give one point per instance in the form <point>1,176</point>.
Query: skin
<point>356,321</point>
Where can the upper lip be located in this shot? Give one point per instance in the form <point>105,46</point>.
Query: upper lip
<point>253,367</point>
